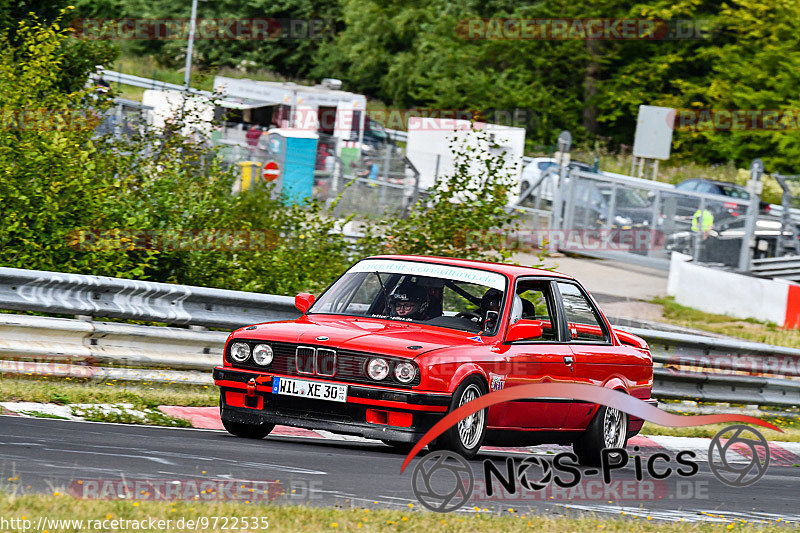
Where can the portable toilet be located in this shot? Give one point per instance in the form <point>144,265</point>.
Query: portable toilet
<point>295,153</point>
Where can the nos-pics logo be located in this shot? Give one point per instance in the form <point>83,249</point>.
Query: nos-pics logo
<point>444,481</point>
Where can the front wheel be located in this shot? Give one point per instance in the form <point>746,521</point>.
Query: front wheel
<point>247,431</point>
<point>466,437</point>
<point>608,429</point>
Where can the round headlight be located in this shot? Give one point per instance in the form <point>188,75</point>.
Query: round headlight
<point>405,372</point>
<point>378,369</point>
<point>262,354</point>
<point>240,352</point>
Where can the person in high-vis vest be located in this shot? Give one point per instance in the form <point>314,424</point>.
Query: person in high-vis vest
<point>703,221</point>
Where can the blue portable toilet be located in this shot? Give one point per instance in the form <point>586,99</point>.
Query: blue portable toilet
<point>296,154</point>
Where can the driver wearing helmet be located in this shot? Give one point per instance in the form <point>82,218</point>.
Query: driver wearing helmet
<point>409,301</point>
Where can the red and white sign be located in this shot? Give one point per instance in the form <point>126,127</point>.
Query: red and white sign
<point>271,171</point>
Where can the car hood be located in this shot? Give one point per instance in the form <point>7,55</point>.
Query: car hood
<point>361,334</point>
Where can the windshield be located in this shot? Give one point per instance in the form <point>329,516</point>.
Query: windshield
<point>458,298</point>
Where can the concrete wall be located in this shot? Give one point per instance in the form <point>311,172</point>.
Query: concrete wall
<point>728,293</point>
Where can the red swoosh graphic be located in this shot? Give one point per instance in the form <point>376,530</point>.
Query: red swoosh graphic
<point>578,391</point>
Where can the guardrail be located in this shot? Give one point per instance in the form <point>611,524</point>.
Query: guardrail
<point>397,135</point>
<point>754,373</point>
<point>64,340</point>
<point>785,267</point>
<point>98,296</point>
<point>744,372</point>
<point>147,83</point>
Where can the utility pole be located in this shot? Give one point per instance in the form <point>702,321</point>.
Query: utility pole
<point>187,75</point>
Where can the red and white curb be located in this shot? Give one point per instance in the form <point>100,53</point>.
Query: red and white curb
<point>781,453</point>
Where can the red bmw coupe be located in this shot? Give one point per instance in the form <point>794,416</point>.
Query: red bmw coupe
<point>398,341</point>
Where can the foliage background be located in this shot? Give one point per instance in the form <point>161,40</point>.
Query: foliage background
<point>59,177</point>
<point>409,54</point>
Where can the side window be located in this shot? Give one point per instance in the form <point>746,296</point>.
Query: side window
<point>533,302</point>
<point>582,322</point>
<point>704,186</point>
<point>364,296</point>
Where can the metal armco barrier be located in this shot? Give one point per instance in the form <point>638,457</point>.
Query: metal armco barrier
<point>84,371</point>
<point>63,340</point>
<point>671,384</point>
<point>786,267</point>
<point>682,360</point>
<point>98,296</point>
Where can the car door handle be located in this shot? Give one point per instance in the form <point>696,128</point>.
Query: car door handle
<point>568,360</point>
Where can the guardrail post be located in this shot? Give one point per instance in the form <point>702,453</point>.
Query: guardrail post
<point>386,168</point>
<point>754,187</point>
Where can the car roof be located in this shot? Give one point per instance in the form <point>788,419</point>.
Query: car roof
<point>717,182</point>
<point>514,271</point>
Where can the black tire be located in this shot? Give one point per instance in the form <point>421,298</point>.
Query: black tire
<point>608,429</point>
<point>400,447</point>
<point>248,431</point>
<point>468,442</point>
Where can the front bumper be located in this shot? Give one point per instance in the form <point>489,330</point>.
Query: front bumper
<point>368,412</point>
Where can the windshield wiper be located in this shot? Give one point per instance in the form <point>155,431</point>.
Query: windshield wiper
<point>385,295</point>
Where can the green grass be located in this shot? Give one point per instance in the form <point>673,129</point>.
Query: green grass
<point>149,417</point>
<point>39,414</point>
<point>70,391</point>
<point>748,329</point>
<point>148,396</point>
<point>789,424</point>
<point>292,518</point>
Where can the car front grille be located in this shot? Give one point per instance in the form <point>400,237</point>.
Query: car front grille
<point>320,362</point>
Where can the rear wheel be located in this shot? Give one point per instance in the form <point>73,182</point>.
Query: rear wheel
<point>608,429</point>
<point>467,435</point>
<point>247,431</point>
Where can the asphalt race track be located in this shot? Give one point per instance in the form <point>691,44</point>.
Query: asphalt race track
<point>43,455</point>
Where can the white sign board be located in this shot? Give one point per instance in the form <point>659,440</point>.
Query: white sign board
<point>653,139</point>
<point>429,145</point>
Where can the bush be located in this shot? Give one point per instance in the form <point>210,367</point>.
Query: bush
<point>76,201</point>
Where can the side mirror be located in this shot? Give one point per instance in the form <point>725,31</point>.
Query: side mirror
<point>303,301</point>
<point>492,317</point>
<point>524,329</point>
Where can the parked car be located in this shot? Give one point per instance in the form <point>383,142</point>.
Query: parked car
<point>399,341</point>
<point>533,172</point>
<point>732,202</point>
<point>375,136</point>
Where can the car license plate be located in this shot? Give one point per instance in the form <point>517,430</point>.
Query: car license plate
<point>309,389</point>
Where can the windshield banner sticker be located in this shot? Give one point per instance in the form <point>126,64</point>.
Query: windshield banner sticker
<point>467,275</point>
